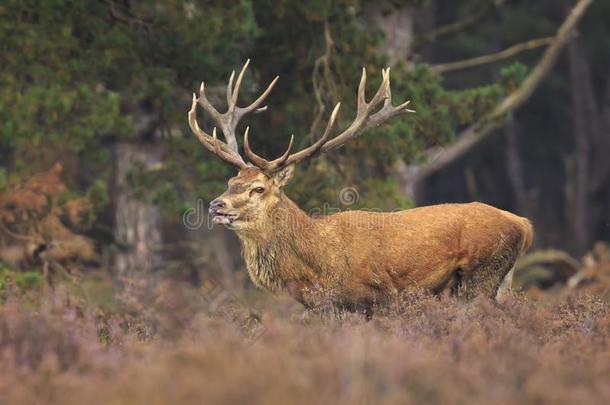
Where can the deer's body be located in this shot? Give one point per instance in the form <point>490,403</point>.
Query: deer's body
<point>356,258</point>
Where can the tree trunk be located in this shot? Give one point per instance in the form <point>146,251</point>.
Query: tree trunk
<point>602,163</point>
<point>137,220</point>
<point>584,121</point>
<point>397,27</point>
<point>514,168</point>
<point>600,176</point>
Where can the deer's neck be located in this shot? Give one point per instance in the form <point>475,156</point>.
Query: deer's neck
<point>277,255</point>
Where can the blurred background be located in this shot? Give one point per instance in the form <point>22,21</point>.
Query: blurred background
<point>98,166</point>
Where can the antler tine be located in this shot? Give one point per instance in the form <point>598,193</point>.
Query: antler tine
<point>245,110</point>
<point>215,141</point>
<point>383,93</point>
<point>223,120</point>
<point>211,143</point>
<point>279,161</point>
<point>404,105</point>
<point>361,91</point>
<point>386,113</point>
<point>253,157</point>
<point>287,158</point>
<point>230,88</point>
<point>262,163</point>
<point>364,117</point>
<point>209,108</point>
<point>233,102</point>
<point>228,121</point>
<point>316,146</point>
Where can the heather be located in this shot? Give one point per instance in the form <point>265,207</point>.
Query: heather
<point>180,344</point>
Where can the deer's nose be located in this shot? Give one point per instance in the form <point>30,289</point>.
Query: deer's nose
<point>217,204</point>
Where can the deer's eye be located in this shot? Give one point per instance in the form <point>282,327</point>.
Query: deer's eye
<point>259,190</point>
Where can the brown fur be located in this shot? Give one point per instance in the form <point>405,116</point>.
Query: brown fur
<point>361,258</point>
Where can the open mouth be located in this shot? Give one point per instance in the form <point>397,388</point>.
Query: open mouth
<point>224,218</point>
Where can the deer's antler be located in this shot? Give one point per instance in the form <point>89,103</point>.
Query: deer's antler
<point>227,121</point>
<point>366,118</point>
<point>369,114</point>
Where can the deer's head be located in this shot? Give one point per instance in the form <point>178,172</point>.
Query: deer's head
<point>253,194</point>
<point>250,198</point>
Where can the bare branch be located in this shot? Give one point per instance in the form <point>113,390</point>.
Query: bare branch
<point>322,68</point>
<point>494,57</point>
<point>485,126</point>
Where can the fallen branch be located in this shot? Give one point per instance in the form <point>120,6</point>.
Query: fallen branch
<point>494,57</point>
<point>565,263</point>
<point>486,125</point>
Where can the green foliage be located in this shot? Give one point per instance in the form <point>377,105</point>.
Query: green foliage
<point>440,113</point>
<point>382,194</point>
<point>513,75</point>
<point>3,179</point>
<point>24,281</point>
<point>98,194</point>
<point>77,77</point>
<point>50,91</point>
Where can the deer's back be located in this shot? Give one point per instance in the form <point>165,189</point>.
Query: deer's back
<point>421,245</point>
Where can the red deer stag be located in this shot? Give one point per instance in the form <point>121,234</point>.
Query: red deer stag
<point>359,258</point>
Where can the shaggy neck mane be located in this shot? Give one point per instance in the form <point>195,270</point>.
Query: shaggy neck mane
<point>273,253</point>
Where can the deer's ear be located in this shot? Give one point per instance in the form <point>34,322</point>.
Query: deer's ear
<point>282,177</point>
